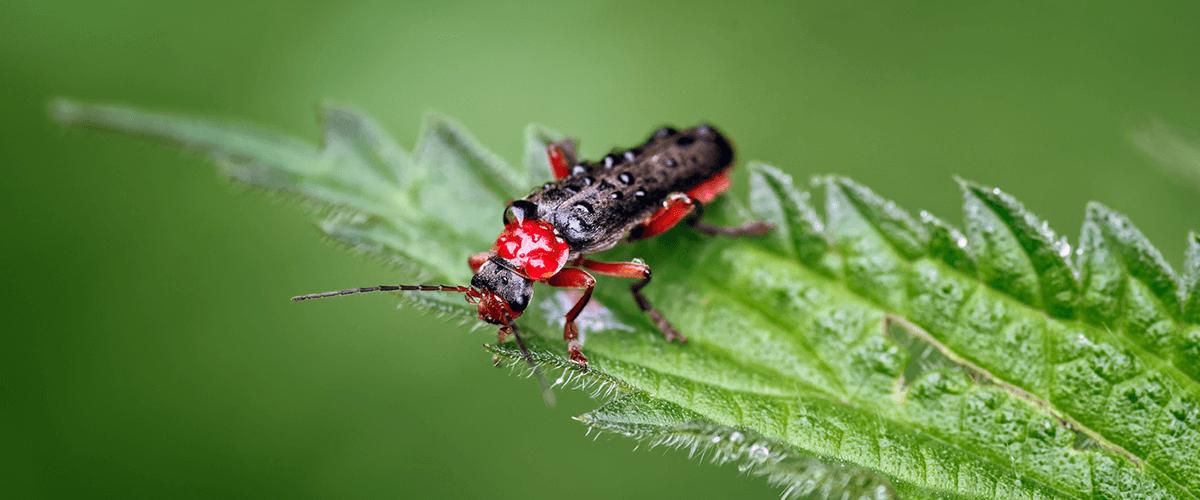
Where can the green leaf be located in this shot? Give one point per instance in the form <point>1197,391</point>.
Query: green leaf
<point>1127,284</point>
<point>798,229</point>
<point>1191,280</point>
<point>948,244</point>
<point>1018,253</point>
<point>865,353</point>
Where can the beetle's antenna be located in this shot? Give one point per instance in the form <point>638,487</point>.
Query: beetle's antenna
<point>384,288</point>
<point>547,392</point>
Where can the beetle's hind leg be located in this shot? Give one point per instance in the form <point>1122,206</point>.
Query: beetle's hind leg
<point>753,228</point>
<point>683,208</point>
<point>689,207</point>
<point>706,192</point>
<point>640,272</point>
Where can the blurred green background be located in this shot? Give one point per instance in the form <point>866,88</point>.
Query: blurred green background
<point>149,349</point>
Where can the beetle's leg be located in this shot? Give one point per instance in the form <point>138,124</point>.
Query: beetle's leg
<point>676,207</point>
<point>574,278</point>
<point>477,260</point>
<point>640,272</point>
<point>753,228</point>
<point>708,191</point>
<point>561,155</point>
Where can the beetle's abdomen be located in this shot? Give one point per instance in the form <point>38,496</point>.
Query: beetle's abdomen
<point>599,202</point>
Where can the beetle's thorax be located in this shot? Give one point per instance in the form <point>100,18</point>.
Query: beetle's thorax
<point>533,247</point>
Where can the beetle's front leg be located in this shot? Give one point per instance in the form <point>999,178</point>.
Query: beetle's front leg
<point>574,278</point>
<point>477,260</point>
<point>640,272</point>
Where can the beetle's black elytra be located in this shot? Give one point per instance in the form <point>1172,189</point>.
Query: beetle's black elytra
<point>629,185</point>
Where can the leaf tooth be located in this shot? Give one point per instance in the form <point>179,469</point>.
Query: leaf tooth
<point>348,133</point>
<point>1130,288</point>
<point>798,228</point>
<point>949,244</point>
<point>1191,279</point>
<point>1112,248</point>
<point>875,239</point>
<point>441,135</point>
<point>894,223</point>
<point>1018,253</point>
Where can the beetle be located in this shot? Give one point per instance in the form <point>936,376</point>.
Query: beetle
<point>590,207</point>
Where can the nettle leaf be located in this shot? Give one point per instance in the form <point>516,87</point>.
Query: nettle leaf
<point>798,230</point>
<point>1019,253</point>
<point>857,352</point>
<point>1191,280</point>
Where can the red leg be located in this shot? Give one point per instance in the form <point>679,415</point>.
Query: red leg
<point>477,260</point>
<point>640,272</point>
<point>674,210</point>
<point>708,190</point>
<point>561,155</point>
<point>574,278</point>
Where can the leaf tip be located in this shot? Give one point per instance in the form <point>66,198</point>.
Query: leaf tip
<point>437,119</point>
<point>896,225</point>
<point>755,166</point>
<point>977,189</point>
<point>1096,208</point>
<point>763,169</point>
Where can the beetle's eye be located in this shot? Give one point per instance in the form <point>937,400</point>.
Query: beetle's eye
<point>520,210</point>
